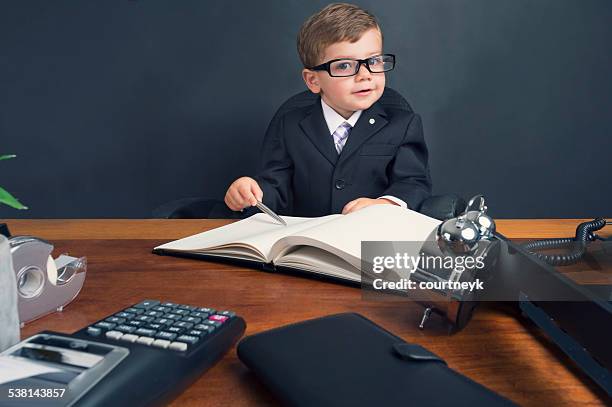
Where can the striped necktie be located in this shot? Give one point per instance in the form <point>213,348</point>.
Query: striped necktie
<point>340,136</point>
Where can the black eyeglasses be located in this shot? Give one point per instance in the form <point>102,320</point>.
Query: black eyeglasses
<point>350,67</point>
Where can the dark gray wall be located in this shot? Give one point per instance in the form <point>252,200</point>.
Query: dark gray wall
<point>115,107</point>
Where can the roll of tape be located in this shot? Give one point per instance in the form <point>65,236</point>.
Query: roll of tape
<point>52,270</point>
<point>9,316</point>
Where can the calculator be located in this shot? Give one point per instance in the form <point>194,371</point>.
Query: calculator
<point>145,354</point>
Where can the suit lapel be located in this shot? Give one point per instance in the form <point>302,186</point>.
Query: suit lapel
<point>370,122</point>
<point>313,125</point>
<point>315,128</point>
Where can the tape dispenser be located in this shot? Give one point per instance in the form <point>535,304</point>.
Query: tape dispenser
<point>44,285</point>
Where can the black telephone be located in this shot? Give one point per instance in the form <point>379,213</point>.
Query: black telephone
<point>473,233</point>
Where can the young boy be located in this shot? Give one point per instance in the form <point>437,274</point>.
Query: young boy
<point>345,151</point>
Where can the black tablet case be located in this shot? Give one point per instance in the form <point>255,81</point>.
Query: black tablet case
<point>347,360</point>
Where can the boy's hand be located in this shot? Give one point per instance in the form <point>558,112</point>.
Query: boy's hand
<point>243,192</point>
<point>361,203</point>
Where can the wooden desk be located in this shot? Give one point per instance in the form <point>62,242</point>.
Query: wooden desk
<point>499,349</point>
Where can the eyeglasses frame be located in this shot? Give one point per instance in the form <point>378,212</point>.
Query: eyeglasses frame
<point>326,66</point>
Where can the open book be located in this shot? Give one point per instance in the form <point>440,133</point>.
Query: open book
<point>329,245</point>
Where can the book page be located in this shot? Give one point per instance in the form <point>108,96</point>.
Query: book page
<point>343,235</point>
<point>250,238</point>
<point>319,261</point>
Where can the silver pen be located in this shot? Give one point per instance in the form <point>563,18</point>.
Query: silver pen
<point>270,213</point>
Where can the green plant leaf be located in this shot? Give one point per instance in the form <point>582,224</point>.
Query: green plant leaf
<point>10,200</point>
<point>6,157</point>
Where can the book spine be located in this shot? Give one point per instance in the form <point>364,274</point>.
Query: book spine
<point>269,267</point>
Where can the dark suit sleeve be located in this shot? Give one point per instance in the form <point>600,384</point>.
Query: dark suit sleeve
<point>408,173</point>
<point>276,172</point>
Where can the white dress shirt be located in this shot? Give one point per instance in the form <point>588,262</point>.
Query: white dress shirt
<point>334,119</point>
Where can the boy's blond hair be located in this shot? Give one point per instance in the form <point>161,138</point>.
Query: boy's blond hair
<point>336,22</point>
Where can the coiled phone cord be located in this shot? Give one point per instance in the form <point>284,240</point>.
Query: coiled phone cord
<point>584,234</point>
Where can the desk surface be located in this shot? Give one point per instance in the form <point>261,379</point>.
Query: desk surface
<point>498,348</point>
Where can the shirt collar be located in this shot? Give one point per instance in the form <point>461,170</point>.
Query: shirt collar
<point>333,119</point>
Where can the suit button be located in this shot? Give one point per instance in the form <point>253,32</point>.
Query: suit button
<point>340,184</point>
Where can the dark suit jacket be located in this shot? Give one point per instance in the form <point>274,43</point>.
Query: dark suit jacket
<point>385,154</point>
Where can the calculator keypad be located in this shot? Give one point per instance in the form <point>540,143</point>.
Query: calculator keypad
<point>165,325</point>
